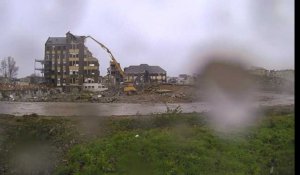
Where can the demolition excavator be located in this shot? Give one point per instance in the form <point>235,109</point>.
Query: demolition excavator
<point>117,75</point>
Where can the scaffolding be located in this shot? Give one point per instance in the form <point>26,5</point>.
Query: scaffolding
<point>41,69</point>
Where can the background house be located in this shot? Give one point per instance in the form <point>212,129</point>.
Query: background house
<point>145,73</point>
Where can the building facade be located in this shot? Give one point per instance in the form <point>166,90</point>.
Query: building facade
<point>287,74</point>
<point>185,79</point>
<point>258,71</point>
<point>145,73</point>
<point>68,62</point>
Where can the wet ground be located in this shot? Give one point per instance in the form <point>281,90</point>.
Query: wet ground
<point>109,109</point>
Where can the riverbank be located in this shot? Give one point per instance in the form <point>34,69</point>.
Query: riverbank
<point>166,143</point>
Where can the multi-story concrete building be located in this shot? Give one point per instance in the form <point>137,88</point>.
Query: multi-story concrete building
<point>68,62</point>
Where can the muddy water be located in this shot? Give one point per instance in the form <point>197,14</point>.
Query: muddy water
<point>108,109</point>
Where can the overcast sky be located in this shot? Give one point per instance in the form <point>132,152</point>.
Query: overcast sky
<point>168,33</point>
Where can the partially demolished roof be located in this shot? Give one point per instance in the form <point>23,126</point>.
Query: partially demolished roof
<point>143,68</point>
<point>75,37</point>
<point>62,40</point>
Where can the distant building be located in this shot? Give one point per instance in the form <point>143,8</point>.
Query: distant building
<point>259,71</point>
<point>145,73</point>
<point>24,81</point>
<point>287,74</point>
<point>68,62</point>
<point>172,80</point>
<point>185,79</point>
<point>183,76</point>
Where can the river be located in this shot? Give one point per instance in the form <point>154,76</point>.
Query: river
<point>109,109</point>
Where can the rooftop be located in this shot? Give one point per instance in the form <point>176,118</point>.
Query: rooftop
<point>136,69</point>
<point>56,40</point>
<point>61,40</point>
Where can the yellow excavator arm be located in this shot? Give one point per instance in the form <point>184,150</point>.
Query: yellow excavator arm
<point>114,61</point>
<point>128,87</point>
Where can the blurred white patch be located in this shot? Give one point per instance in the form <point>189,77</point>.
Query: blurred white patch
<point>230,114</point>
<point>33,159</point>
<point>228,88</point>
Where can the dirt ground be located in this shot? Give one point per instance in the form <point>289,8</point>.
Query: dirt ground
<point>164,93</point>
<point>161,93</point>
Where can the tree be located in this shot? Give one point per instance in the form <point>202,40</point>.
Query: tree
<point>9,68</point>
<point>3,68</point>
<point>12,68</point>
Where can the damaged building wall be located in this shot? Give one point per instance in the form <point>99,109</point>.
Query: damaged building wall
<point>68,62</point>
<point>115,75</point>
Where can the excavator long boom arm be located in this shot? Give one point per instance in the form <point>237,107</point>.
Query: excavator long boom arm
<point>110,54</point>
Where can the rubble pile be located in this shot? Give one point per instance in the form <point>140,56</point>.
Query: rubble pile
<point>13,87</point>
<point>155,93</point>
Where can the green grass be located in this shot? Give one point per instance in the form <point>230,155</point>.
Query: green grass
<point>184,144</point>
<point>171,143</point>
<point>43,140</point>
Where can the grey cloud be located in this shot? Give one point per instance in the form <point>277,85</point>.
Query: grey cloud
<point>164,32</point>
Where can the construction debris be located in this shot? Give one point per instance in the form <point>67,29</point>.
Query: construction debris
<point>154,93</point>
<point>162,91</point>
